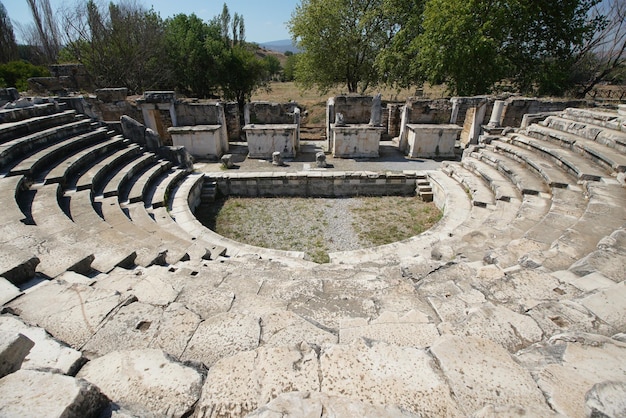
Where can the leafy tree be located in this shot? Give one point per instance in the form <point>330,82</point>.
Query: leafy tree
<point>242,73</point>
<point>8,46</point>
<point>289,72</point>
<point>473,44</point>
<point>16,74</point>
<point>340,40</point>
<point>120,46</point>
<point>272,64</point>
<point>193,47</point>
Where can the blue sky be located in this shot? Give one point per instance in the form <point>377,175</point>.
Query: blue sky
<point>264,20</point>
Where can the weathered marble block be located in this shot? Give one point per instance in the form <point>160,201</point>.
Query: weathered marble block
<point>202,141</point>
<point>264,140</point>
<point>431,140</point>
<point>355,141</point>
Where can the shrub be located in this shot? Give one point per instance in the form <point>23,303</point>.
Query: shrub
<point>16,74</point>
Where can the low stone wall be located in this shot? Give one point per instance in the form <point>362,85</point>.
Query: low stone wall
<point>269,113</point>
<point>314,184</point>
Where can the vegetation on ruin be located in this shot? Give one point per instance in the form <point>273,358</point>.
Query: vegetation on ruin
<point>319,226</point>
<point>563,47</point>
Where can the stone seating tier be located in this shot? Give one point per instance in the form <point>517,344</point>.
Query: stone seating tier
<point>515,307</point>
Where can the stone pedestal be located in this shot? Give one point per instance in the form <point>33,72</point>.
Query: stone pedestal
<point>264,140</point>
<point>355,141</point>
<point>431,141</point>
<point>202,141</point>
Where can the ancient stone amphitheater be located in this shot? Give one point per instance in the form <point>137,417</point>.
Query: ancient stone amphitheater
<point>116,302</point>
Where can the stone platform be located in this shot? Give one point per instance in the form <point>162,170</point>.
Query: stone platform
<point>116,303</point>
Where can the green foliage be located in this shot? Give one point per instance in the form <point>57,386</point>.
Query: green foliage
<point>16,74</point>
<point>473,44</point>
<point>340,40</point>
<point>272,64</point>
<point>289,72</point>
<point>122,46</point>
<point>193,46</point>
<point>241,73</point>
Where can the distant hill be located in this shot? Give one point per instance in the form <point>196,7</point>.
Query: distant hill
<point>283,46</point>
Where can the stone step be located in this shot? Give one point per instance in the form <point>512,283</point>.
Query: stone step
<point>122,174</point>
<point>17,148</point>
<point>481,194</point>
<point>97,173</point>
<point>568,160</point>
<point>22,113</point>
<point>12,130</point>
<point>140,184</point>
<point>554,177</point>
<point>526,181</point>
<point>16,265</point>
<point>502,188</point>
<point>9,188</point>
<point>608,259</point>
<point>606,118</point>
<point>158,195</point>
<point>154,244</point>
<point>32,165</point>
<point>73,164</point>
<point>49,216</point>
<point>610,158</point>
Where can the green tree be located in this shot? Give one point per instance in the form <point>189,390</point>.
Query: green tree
<point>16,74</point>
<point>242,73</point>
<point>121,46</point>
<point>272,65</point>
<point>461,45</point>
<point>193,47</point>
<point>472,44</point>
<point>289,72</point>
<point>8,46</point>
<point>339,40</point>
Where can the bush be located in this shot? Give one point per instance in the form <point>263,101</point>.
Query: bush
<point>16,74</point>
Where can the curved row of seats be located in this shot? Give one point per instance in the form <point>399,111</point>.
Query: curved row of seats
<point>69,184</point>
<point>512,305</point>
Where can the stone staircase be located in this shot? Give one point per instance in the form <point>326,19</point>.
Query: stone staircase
<point>514,304</point>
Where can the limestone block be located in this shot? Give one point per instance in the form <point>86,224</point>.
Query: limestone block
<point>568,316</point>
<point>202,141</point>
<point>17,266</point>
<point>431,141</point>
<point>410,330</point>
<point>146,382</point>
<point>132,327</point>
<point>240,384</point>
<point>14,348</point>
<point>175,328</point>
<point>284,328</point>
<point>481,372</point>
<point>355,141</point>
<point>606,399</point>
<point>321,405</point>
<point>223,335</point>
<point>47,353</point>
<point>497,323</point>
<point>507,411</point>
<point>153,290</point>
<point>264,140</point>
<point>569,365</point>
<point>609,304</point>
<point>29,393</point>
<point>109,95</point>
<point>205,300</point>
<point>8,291</point>
<point>382,374</point>
<point>70,312</point>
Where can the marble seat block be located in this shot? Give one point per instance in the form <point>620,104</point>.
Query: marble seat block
<point>264,140</point>
<point>432,141</point>
<point>202,141</point>
<point>355,141</point>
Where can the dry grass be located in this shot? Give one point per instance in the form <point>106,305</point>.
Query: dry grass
<point>315,103</point>
<point>319,226</point>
